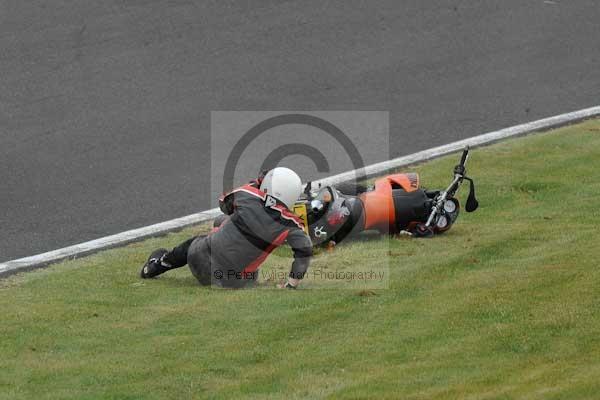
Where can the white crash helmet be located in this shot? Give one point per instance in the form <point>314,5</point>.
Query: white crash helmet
<point>283,184</point>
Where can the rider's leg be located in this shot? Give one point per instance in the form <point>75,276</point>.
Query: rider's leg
<point>162,260</point>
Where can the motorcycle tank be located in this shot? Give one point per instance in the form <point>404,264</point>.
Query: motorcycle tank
<point>394,199</point>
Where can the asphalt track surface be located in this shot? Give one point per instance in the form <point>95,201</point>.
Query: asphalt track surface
<point>105,106</point>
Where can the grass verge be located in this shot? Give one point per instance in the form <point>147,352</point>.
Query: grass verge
<point>505,305</point>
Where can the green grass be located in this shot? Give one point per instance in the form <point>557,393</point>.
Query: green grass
<point>505,305</point>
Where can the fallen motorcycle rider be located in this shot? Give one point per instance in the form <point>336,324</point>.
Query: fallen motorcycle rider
<point>257,220</point>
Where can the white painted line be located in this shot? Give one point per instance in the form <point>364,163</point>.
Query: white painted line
<point>106,242</point>
<point>123,238</point>
<point>486,138</point>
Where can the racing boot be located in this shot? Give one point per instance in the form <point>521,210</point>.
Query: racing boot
<point>155,265</point>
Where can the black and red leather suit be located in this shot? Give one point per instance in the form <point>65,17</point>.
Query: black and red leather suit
<point>254,225</point>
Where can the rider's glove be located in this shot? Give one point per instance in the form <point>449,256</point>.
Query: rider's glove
<point>288,285</point>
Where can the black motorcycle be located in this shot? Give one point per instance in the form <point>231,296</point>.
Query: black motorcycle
<point>393,204</point>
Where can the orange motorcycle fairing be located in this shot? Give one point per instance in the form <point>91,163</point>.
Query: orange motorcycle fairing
<point>379,203</point>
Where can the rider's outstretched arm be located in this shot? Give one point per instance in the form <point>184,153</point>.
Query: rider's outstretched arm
<point>303,251</point>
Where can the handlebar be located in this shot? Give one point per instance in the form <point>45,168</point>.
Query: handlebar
<point>459,169</point>
<point>459,174</point>
<point>465,156</point>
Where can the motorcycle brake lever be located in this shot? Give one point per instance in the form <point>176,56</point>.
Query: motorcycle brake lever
<point>472,203</point>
